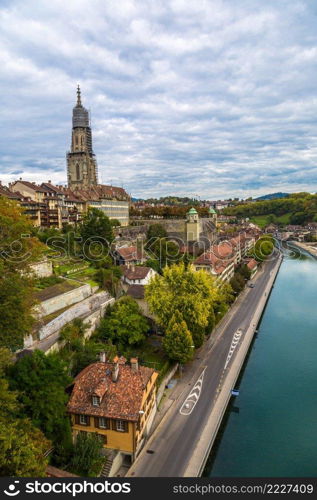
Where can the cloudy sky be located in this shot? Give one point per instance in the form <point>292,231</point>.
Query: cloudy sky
<point>204,98</point>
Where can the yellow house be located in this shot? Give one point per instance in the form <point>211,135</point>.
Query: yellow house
<point>116,400</point>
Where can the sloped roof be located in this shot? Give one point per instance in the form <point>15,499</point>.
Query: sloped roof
<point>136,273</point>
<point>120,400</point>
<point>130,253</point>
<point>35,187</point>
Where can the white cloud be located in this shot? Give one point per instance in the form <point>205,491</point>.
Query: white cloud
<point>210,97</point>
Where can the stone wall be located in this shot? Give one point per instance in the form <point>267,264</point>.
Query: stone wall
<point>92,320</point>
<point>83,309</point>
<point>53,304</point>
<point>42,269</point>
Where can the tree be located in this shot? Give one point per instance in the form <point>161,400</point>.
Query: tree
<point>178,342</point>
<point>237,282</point>
<point>244,271</point>
<point>124,323</point>
<point>18,249</point>
<point>97,234</point>
<point>22,445</point>
<point>156,231</point>
<point>87,459</point>
<point>41,381</point>
<point>73,335</point>
<point>263,248</point>
<point>189,292</point>
<point>115,223</point>
<point>22,449</point>
<point>110,279</point>
<point>89,354</point>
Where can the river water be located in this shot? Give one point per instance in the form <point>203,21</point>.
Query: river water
<point>270,429</point>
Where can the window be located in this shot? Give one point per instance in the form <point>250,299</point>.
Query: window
<point>95,400</point>
<point>103,423</point>
<point>83,419</point>
<point>77,172</point>
<point>121,426</point>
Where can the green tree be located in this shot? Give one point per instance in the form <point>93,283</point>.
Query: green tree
<point>73,335</point>
<point>110,279</point>
<point>22,446</point>
<point>184,290</point>
<point>87,459</point>
<point>156,231</point>
<point>89,354</point>
<point>41,381</point>
<point>237,283</point>
<point>115,223</point>
<point>263,248</point>
<point>96,233</point>
<point>178,342</point>
<point>124,323</point>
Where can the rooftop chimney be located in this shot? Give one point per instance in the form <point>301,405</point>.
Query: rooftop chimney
<point>134,364</point>
<point>115,369</point>
<point>102,357</point>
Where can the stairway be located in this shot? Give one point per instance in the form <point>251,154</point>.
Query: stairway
<point>106,468</point>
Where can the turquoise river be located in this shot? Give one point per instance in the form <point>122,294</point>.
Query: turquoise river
<point>270,429</point>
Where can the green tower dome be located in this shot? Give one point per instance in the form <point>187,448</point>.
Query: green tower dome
<point>192,211</point>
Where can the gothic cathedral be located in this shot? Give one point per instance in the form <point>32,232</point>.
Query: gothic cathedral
<point>81,161</point>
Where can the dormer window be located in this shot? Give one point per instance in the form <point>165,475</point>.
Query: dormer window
<point>96,400</point>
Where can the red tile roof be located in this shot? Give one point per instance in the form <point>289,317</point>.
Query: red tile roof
<point>119,400</point>
<point>252,264</point>
<point>130,253</point>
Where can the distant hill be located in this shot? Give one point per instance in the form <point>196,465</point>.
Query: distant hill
<point>272,196</point>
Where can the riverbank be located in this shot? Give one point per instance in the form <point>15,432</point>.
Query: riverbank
<point>207,438</point>
<point>310,248</point>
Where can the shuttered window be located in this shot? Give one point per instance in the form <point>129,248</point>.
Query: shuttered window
<point>84,420</point>
<point>121,426</point>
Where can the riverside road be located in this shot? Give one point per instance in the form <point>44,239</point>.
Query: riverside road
<point>169,450</point>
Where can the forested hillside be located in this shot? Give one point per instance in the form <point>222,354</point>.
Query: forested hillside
<point>300,208</point>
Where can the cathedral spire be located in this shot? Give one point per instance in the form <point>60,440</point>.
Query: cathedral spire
<point>78,96</point>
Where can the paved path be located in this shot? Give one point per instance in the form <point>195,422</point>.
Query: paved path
<point>172,444</point>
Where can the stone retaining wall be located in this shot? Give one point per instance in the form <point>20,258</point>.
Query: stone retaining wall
<point>85,307</point>
<point>53,304</point>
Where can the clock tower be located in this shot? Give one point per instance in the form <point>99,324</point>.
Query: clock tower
<point>81,161</point>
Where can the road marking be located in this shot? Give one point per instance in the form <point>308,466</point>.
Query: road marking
<point>191,400</point>
<point>234,344</point>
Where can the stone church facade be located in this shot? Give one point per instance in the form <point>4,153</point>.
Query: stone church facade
<point>82,169</point>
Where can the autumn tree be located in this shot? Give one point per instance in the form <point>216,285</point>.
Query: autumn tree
<point>189,292</point>
<point>18,249</point>
<point>178,342</point>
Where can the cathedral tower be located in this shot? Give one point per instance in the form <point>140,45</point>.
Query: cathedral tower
<point>81,161</point>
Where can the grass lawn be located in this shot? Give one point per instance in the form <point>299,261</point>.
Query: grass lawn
<point>262,220</point>
<point>53,291</point>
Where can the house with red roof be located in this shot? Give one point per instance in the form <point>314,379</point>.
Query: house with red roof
<point>116,400</point>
